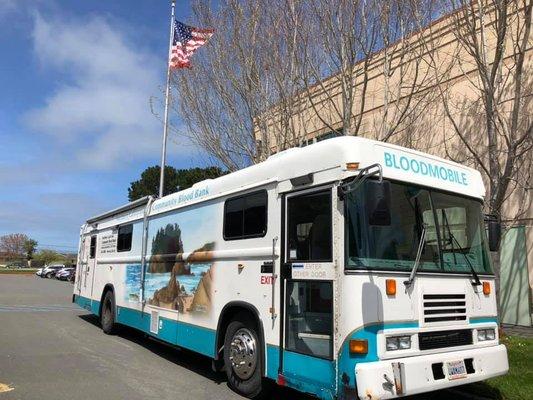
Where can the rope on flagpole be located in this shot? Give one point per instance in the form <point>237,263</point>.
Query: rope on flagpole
<point>167,96</point>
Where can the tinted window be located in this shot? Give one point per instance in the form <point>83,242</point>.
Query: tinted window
<point>454,237</point>
<point>245,216</point>
<point>124,237</point>
<point>234,218</point>
<point>92,251</point>
<point>309,227</point>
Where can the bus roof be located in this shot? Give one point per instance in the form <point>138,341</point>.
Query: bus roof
<point>326,162</point>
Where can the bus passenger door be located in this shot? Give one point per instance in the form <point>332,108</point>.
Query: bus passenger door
<point>87,266</point>
<point>308,273</point>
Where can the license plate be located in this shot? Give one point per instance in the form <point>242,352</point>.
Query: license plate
<point>456,369</point>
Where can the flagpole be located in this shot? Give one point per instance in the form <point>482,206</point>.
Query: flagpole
<point>167,95</point>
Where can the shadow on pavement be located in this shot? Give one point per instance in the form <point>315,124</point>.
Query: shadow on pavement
<point>201,365</point>
<point>192,361</point>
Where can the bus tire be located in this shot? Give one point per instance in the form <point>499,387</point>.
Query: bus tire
<point>107,315</point>
<point>242,358</point>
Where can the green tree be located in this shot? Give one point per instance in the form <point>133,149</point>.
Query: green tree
<point>175,179</point>
<point>30,246</point>
<point>49,256</point>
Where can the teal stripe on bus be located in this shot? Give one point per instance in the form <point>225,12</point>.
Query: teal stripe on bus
<point>197,338</point>
<point>83,302</point>
<point>189,336</point>
<point>483,320</point>
<point>348,361</point>
<point>134,318</point>
<point>303,372</point>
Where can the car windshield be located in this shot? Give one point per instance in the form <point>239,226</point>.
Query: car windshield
<point>384,227</point>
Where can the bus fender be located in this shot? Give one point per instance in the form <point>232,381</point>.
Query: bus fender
<point>232,308</point>
<point>107,287</point>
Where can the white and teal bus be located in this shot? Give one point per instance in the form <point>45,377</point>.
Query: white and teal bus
<point>346,269</point>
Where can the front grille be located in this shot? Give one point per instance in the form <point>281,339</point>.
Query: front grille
<point>444,307</point>
<point>440,339</point>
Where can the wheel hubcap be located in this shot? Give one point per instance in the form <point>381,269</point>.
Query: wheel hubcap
<point>243,354</point>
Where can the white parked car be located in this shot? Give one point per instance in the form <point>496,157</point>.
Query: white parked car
<point>50,271</point>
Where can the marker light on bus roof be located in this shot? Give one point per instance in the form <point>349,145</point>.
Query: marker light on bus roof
<point>486,288</point>
<point>390,285</point>
<point>352,166</point>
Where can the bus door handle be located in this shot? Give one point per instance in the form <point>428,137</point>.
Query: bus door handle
<point>273,277</point>
<point>267,267</point>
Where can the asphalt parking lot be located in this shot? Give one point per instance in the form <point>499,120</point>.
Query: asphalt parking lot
<point>52,350</point>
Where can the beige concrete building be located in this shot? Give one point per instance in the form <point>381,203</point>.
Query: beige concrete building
<point>418,93</point>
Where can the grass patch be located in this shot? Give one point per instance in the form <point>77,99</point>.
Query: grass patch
<point>518,383</point>
<point>17,271</point>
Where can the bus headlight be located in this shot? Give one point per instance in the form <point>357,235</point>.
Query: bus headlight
<point>405,342</point>
<point>398,343</point>
<point>486,334</point>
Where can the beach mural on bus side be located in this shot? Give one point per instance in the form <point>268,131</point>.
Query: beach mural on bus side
<point>179,267</point>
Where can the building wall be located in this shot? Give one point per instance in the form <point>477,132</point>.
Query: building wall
<point>432,65</point>
<point>435,65</point>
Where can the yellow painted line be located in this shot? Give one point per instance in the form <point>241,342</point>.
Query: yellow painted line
<point>5,388</point>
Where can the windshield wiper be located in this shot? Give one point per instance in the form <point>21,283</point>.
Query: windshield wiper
<point>476,282</point>
<point>421,246</point>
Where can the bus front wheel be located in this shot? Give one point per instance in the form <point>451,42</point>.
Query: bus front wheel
<point>107,317</point>
<point>242,358</point>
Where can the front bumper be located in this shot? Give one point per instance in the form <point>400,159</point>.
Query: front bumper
<point>411,375</point>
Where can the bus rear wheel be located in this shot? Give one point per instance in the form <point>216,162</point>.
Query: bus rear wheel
<point>107,317</point>
<point>242,358</point>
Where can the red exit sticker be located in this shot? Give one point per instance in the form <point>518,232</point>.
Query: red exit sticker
<point>267,280</point>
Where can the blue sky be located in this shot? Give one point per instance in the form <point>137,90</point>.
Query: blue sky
<point>76,81</point>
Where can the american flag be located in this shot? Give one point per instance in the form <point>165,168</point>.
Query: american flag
<point>184,43</point>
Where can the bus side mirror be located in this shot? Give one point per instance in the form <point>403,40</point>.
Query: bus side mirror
<point>378,202</point>
<point>494,231</point>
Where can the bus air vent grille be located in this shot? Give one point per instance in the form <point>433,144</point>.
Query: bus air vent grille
<point>444,307</point>
<point>441,339</point>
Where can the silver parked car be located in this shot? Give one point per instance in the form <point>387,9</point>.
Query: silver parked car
<point>51,270</point>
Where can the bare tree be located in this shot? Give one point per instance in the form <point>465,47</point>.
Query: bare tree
<point>336,66</point>
<point>492,119</point>
<point>13,245</point>
<point>404,67</point>
<point>282,70</point>
<point>244,81</point>
<point>364,53</point>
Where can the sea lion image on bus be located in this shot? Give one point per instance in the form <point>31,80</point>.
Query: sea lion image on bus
<point>347,269</point>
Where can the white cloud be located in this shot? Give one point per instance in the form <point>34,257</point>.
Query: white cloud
<point>103,110</point>
<point>51,218</point>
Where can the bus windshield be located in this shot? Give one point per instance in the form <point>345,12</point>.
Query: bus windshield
<point>384,224</point>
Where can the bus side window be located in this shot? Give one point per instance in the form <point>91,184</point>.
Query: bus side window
<point>92,248</point>
<point>125,234</point>
<point>309,227</point>
<point>246,216</point>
